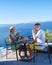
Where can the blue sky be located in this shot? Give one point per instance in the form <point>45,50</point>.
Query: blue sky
<point>23,11</point>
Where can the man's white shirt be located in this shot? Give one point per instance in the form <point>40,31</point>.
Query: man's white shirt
<point>41,38</point>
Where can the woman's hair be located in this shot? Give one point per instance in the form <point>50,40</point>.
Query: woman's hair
<point>11,28</point>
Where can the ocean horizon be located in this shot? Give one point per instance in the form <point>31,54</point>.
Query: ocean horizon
<point>24,29</point>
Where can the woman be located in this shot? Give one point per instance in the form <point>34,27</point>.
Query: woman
<point>12,35</point>
<point>14,39</point>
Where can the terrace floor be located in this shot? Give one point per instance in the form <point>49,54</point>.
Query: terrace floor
<point>40,59</point>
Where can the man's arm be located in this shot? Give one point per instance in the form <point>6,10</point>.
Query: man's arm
<point>34,36</point>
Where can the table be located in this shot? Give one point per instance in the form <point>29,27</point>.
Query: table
<point>26,42</point>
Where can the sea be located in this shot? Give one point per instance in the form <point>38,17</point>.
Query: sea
<point>25,29</point>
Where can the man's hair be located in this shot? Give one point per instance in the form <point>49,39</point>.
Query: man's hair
<point>37,24</point>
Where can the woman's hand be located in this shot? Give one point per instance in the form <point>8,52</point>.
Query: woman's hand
<point>17,35</point>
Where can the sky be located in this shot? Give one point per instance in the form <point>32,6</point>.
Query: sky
<point>25,11</point>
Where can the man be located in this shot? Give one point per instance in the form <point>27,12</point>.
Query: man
<point>39,37</point>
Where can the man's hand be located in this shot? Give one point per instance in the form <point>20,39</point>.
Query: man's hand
<point>33,29</point>
<point>33,34</point>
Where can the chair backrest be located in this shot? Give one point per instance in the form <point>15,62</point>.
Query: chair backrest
<point>7,41</point>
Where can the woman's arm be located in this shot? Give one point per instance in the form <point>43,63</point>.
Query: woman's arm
<point>12,39</point>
